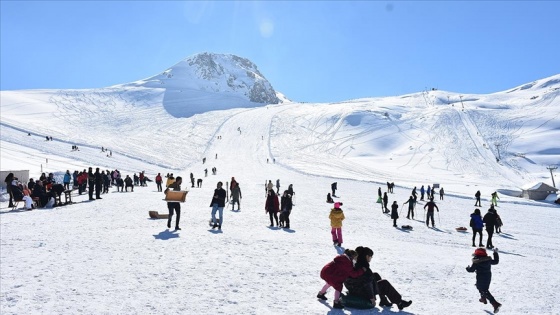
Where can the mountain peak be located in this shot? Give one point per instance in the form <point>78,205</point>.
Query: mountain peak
<point>217,73</point>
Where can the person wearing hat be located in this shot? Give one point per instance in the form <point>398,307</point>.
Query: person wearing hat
<point>482,265</point>
<point>336,216</point>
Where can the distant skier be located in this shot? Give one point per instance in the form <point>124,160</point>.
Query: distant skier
<point>482,265</point>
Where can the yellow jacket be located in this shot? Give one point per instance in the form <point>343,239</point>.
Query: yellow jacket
<point>336,217</point>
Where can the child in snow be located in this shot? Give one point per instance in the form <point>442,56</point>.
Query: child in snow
<point>394,213</point>
<point>336,217</point>
<point>335,272</point>
<point>482,264</point>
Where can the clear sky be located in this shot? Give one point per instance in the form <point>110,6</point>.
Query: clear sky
<point>311,51</point>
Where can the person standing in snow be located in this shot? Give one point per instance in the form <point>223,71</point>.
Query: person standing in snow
<point>429,192</point>
<point>430,213</point>
<point>422,192</point>
<point>159,180</point>
<point>336,216</point>
<point>476,225</point>
<point>334,188</point>
<point>414,194</point>
<point>8,180</point>
<point>173,206</point>
<point>278,186</point>
<point>218,203</point>
<point>495,199</point>
<point>285,209</point>
<point>235,196</point>
<point>490,221</point>
<point>441,193</point>
<point>66,180</point>
<point>91,183</point>
<point>411,203</point>
<point>334,274</point>
<point>272,206</point>
<point>482,265</point>
<point>385,202</point>
<point>98,183</point>
<point>394,213</point>
<point>477,196</point>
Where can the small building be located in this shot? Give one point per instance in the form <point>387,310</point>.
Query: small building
<point>538,191</point>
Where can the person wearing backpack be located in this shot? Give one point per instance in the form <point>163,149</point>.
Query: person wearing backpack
<point>476,225</point>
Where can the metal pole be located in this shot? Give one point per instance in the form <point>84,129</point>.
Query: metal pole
<point>552,175</point>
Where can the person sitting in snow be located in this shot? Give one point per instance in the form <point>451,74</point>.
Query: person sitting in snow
<point>482,265</point>
<point>329,198</point>
<point>370,283</point>
<point>334,274</point>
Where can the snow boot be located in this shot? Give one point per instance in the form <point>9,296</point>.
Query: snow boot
<point>385,302</point>
<point>321,296</point>
<point>496,307</point>
<point>402,304</point>
<point>483,300</point>
<point>338,305</point>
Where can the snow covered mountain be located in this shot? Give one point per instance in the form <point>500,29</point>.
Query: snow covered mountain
<point>107,257</point>
<point>192,81</point>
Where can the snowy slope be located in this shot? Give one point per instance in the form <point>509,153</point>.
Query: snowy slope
<point>107,257</point>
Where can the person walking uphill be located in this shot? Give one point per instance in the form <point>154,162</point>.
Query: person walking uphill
<point>336,216</point>
<point>430,214</point>
<point>476,225</point>
<point>482,265</point>
<point>272,206</point>
<point>174,206</point>
<point>218,203</point>
<point>335,272</point>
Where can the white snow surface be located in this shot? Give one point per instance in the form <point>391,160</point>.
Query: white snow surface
<point>108,257</point>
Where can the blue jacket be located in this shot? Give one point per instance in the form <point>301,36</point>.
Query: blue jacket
<point>477,221</point>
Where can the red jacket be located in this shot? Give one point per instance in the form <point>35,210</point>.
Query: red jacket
<point>335,272</point>
<point>272,198</point>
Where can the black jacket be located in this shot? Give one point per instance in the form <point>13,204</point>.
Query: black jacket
<point>219,197</point>
<point>483,268</point>
<point>490,219</point>
<point>363,286</point>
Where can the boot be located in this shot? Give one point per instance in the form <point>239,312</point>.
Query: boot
<point>496,307</point>
<point>483,300</point>
<point>384,302</point>
<point>402,304</point>
<point>338,305</point>
<point>321,296</point>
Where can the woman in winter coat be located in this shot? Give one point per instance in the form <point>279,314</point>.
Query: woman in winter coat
<point>272,206</point>
<point>336,216</point>
<point>66,180</point>
<point>335,272</point>
<point>286,209</point>
<point>476,224</point>
<point>482,264</point>
<point>385,202</point>
<point>394,213</point>
<point>370,283</point>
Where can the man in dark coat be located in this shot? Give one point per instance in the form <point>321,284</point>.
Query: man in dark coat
<point>8,182</point>
<point>98,183</point>
<point>91,183</point>
<point>477,196</point>
<point>490,222</point>
<point>334,188</point>
<point>218,203</point>
<point>430,213</point>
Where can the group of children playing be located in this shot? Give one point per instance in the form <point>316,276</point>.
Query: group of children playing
<point>354,264</point>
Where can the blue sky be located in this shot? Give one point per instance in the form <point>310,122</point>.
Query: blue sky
<point>311,51</point>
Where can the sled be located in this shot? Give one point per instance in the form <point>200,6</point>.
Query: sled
<point>461,229</point>
<point>178,196</point>
<point>406,227</point>
<point>356,302</point>
<point>156,215</point>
